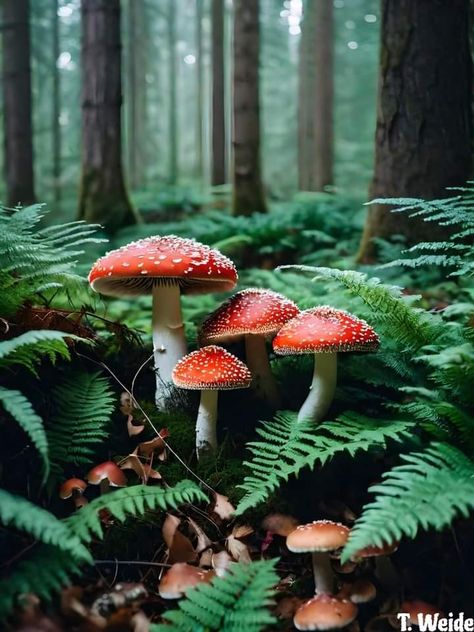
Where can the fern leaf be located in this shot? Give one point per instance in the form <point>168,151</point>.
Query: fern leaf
<point>428,491</point>
<point>20,408</point>
<point>238,602</point>
<point>131,501</point>
<point>288,446</point>
<point>82,406</point>
<point>42,525</point>
<point>45,573</point>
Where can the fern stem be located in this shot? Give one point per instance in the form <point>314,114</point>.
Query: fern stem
<point>169,342</point>
<point>206,433</point>
<point>263,381</point>
<point>321,391</point>
<point>323,573</point>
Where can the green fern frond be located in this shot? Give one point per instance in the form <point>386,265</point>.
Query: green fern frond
<point>237,602</point>
<point>131,501</point>
<point>20,408</point>
<point>287,446</point>
<point>82,407</point>
<point>408,325</point>
<point>17,512</point>
<point>30,348</point>
<point>428,491</point>
<point>47,571</point>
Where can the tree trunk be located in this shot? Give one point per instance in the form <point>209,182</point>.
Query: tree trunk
<point>316,98</point>
<point>103,197</point>
<point>248,195</point>
<point>18,128</point>
<point>423,134</point>
<point>219,163</point>
<point>137,42</point>
<point>56,109</point>
<point>173,69</point>
<point>200,93</point>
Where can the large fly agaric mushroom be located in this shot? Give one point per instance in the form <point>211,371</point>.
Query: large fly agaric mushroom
<point>180,577</point>
<point>107,475</point>
<point>74,488</point>
<point>253,314</point>
<point>319,538</point>
<point>164,267</point>
<point>325,612</point>
<point>324,331</point>
<point>209,370</point>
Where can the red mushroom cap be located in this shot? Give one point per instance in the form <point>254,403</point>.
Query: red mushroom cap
<point>251,311</point>
<point>135,268</point>
<point>107,470</point>
<point>325,330</point>
<point>376,551</point>
<point>320,535</point>
<point>325,612</point>
<point>68,487</point>
<point>211,368</point>
<point>180,577</point>
<point>418,607</point>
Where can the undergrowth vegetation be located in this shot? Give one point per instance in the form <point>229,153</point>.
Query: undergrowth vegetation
<point>393,457</point>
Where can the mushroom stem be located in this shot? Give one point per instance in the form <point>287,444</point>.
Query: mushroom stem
<point>257,361</point>
<point>169,342</point>
<point>323,573</point>
<point>321,391</point>
<point>104,486</point>
<point>206,435</point>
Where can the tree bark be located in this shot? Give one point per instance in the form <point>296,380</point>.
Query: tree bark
<point>56,109</point>
<point>248,194</point>
<point>173,120</point>
<point>17,119</point>
<point>423,134</point>
<point>316,98</point>
<point>103,197</point>
<point>219,162</point>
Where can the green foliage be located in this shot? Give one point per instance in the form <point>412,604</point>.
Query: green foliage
<point>17,512</point>
<point>20,408</point>
<point>131,501</point>
<point>237,602</point>
<point>287,446</point>
<point>37,260</point>
<point>82,406</point>
<point>429,490</point>
<point>456,213</point>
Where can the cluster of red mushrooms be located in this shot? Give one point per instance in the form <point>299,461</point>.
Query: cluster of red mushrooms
<point>168,266</point>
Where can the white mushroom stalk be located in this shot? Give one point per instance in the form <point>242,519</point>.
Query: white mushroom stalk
<point>322,389</point>
<point>322,573</point>
<point>206,424</point>
<point>258,362</point>
<point>169,340</point>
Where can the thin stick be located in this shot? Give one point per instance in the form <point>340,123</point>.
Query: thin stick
<point>132,562</point>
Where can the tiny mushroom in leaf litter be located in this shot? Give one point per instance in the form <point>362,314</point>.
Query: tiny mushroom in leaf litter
<point>74,488</point>
<point>324,331</point>
<point>253,314</point>
<point>180,577</point>
<point>319,538</point>
<point>359,591</point>
<point>210,369</point>
<point>325,612</point>
<point>166,267</point>
<point>107,475</point>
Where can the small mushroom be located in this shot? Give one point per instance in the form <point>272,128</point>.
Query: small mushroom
<point>107,475</point>
<point>324,331</point>
<point>385,571</point>
<point>180,577</point>
<point>325,612</point>
<point>164,267</point>
<point>252,314</point>
<point>359,591</point>
<point>319,538</point>
<point>210,370</point>
<point>74,488</point>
